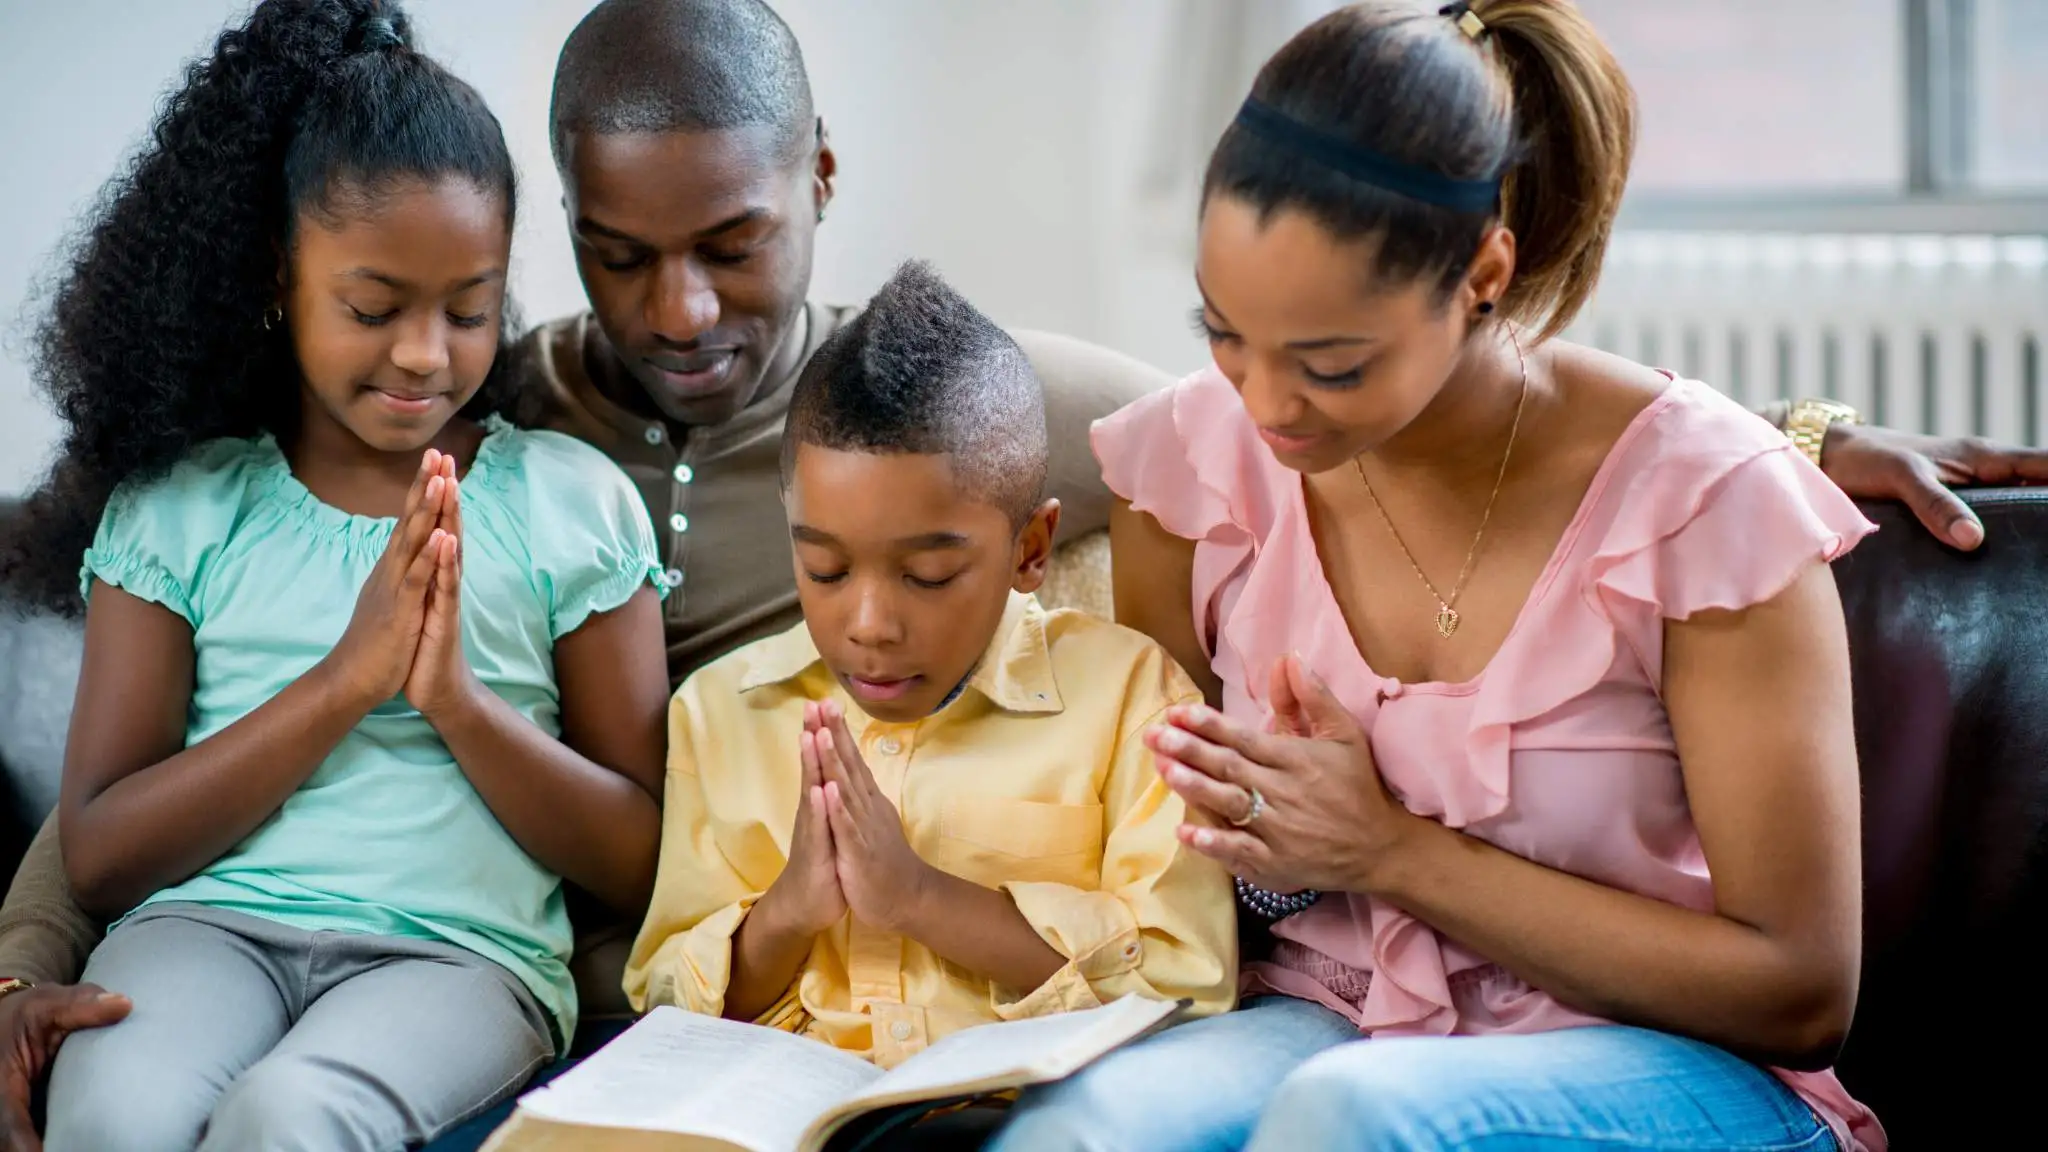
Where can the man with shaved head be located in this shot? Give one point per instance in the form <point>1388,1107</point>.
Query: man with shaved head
<point>696,173</point>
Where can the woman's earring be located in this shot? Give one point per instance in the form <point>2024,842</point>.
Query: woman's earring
<point>821,213</point>
<point>1486,307</point>
<point>272,317</point>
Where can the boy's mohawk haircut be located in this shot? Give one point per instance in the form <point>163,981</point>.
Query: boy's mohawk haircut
<point>921,371</point>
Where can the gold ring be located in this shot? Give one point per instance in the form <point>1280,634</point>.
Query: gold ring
<point>1258,809</point>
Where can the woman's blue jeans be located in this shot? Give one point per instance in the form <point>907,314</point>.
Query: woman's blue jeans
<point>1284,1075</point>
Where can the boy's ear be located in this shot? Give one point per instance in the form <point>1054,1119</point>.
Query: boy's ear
<point>1034,546</point>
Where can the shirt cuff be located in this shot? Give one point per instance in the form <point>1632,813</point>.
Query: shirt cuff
<point>42,948</point>
<point>693,969</point>
<point>1095,931</point>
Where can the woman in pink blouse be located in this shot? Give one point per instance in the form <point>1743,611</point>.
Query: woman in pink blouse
<point>1534,739</point>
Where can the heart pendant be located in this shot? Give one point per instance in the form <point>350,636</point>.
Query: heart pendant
<point>1446,621</point>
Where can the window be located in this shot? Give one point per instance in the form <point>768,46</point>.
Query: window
<point>1902,116</point>
<point>1763,96</point>
<point>1839,99</point>
<point>1856,116</point>
<point>2010,96</point>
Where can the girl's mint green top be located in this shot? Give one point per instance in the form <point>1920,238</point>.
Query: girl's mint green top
<point>387,836</point>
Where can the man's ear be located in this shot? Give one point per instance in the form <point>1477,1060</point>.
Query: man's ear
<point>1034,546</point>
<point>825,171</point>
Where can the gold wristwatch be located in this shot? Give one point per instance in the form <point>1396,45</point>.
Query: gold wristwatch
<point>1806,425</point>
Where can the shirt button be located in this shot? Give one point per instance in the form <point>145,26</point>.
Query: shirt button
<point>890,746</point>
<point>1391,690</point>
<point>679,523</point>
<point>685,474</point>
<point>673,577</point>
<point>900,1030</point>
<point>1132,950</point>
<point>655,434</point>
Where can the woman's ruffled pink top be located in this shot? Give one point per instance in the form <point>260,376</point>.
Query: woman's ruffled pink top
<point>1561,751</point>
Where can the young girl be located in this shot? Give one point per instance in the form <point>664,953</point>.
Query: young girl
<point>368,672</point>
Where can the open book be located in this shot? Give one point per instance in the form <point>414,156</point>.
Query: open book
<point>679,1082</point>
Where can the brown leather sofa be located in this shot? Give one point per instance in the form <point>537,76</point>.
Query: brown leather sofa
<point>1950,657</point>
<point>1951,669</point>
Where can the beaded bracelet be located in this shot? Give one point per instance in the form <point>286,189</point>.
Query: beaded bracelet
<point>1272,905</point>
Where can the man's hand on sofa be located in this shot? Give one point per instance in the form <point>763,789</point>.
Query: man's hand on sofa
<point>33,1022</point>
<point>1885,464</point>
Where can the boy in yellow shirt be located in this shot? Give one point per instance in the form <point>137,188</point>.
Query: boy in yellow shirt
<point>929,806</point>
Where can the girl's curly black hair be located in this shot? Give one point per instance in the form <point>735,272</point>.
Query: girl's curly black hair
<point>155,339</point>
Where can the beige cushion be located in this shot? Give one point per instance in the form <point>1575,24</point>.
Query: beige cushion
<point>1078,577</point>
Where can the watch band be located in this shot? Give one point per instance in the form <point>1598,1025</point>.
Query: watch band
<point>1807,424</point>
<point>13,984</point>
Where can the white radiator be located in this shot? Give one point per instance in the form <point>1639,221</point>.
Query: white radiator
<point>1943,334</point>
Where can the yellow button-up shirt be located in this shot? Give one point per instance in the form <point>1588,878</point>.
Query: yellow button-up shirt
<point>1035,781</point>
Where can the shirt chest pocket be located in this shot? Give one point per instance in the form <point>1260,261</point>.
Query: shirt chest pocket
<point>991,841</point>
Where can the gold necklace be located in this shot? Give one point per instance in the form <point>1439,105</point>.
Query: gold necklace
<point>1447,617</point>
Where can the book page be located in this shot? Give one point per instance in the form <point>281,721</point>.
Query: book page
<point>676,1071</point>
<point>1006,1055</point>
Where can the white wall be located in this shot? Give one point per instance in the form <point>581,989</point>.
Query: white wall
<point>1005,140</point>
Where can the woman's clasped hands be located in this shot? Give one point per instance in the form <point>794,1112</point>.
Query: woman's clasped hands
<point>406,633</point>
<point>1296,808</point>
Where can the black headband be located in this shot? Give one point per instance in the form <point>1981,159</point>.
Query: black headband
<point>1363,164</point>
